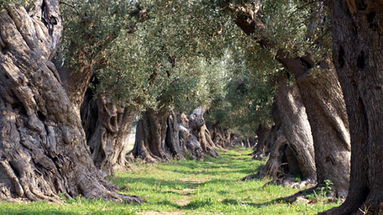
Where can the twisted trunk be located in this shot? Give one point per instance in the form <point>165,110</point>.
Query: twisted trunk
<point>42,143</point>
<point>107,126</point>
<point>326,113</point>
<point>161,136</point>
<point>324,102</point>
<point>208,146</point>
<point>220,136</point>
<point>296,128</point>
<point>274,167</point>
<point>357,49</point>
<point>262,147</point>
<point>201,137</point>
<point>151,132</point>
<point>291,143</point>
<point>173,141</point>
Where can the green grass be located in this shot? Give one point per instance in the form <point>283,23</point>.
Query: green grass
<point>185,187</point>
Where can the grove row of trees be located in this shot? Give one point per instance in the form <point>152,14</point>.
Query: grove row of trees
<point>75,74</point>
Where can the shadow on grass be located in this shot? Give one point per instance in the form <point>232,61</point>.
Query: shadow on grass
<point>257,205</point>
<point>223,172</point>
<point>152,182</point>
<point>191,206</point>
<point>281,200</point>
<point>35,212</point>
<point>171,183</point>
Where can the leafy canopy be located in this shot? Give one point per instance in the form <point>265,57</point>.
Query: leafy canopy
<point>182,54</point>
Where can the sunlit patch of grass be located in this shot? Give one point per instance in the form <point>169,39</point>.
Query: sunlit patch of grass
<point>212,186</point>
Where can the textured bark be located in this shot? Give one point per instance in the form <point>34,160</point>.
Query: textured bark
<point>141,149</point>
<point>326,113</point>
<point>76,80</point>
<point>42,143</point>
<point>324,102</point>
<point>207,143</point>
<point>357,51</point>
<point>107,126</point>
<point>190,138</point>
<point>296,128</point>
<point>220,136</point>
<point>291,143</point>
<point>200,132</point>
<point>150,137</point>
<point>262,148</point>
<point>325,107</point>
<point>173,141</point>
<point>274,166</point>
<point>184,132</point>
<point>161,136</point>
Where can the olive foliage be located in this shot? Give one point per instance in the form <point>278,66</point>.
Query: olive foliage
<point>182,54</point>
<point>150,54</point>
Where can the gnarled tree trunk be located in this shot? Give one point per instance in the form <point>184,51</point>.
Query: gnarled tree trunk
<point>150,137</point>
<point>173,139</point>
<point>357,49</point>
<point>107,126</point>
<point>274,166</point>
<point>161,136</point>
<point>324,102</point>
<point>42,143</point>
<point>200,132</point>
<point>296,128</point>
<point>329,163</point>
<point>322,96</point>
<point>262,147</point>
<point>323,99</point>
<point>220,136</point>
<point>291,147</point>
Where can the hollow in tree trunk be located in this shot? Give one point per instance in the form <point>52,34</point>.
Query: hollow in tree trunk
<point>323,98</point>
<point>107,126</point>
<point>200,132</point>
<point>172,140</point>
<point>291,143</point>
<point>261,149</point>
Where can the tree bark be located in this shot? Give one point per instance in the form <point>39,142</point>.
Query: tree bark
<point>42,143</point>
<point>357,50</point>
<point>291,143</point>
<point>296,128</point>
<point>207,143</point>
<point>190,138</point>
<point>172,140</point>
<point>161,136</point>
<point>107,126</point>
<point>326,110</point>
<point>322,96</point>
<point>220,136</point>
<point>274,166</point>
<point>326,113</point>
<point>200,132</point>
<point>151,132</point>
<point>262,148</point>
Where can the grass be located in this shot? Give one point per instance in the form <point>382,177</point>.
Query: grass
<point>185,187</point>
